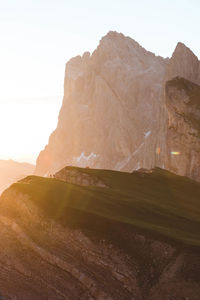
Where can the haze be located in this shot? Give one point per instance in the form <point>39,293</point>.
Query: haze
<point>39,37</point>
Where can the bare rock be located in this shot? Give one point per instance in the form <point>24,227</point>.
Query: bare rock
<point>115,114</point>
<point>79,177</point>
<point>183,134</point>
<point>111,112</point>
<point>183,63</point>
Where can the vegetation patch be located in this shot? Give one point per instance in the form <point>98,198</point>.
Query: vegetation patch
<point>160,201</point>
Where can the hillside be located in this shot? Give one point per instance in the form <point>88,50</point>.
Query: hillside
<point>11,171</point>
<point>137,236</point>
<point>159,201</point>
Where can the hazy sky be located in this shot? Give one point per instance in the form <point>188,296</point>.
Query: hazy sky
<point>37,37</point>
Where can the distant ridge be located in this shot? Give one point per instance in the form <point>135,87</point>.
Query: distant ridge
<point>10,171</point>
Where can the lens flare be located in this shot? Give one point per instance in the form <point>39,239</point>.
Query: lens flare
<point>175,153</point>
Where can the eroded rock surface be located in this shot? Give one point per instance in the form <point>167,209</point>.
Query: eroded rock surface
<point>79,177</point>
<point>183,63</point>
<point>111,115</point>
<point>114,113</point>
<point>92,258</point>
<point>183,134</point>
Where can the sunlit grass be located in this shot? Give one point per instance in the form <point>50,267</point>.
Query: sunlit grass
<point>160,202</point>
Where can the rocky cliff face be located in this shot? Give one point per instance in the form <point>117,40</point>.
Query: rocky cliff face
<point>183,63</point>
<point>183,134</point>
<point>114,113</point>
<point>79,177</point>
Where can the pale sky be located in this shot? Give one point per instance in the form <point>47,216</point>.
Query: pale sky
<point>37,38</point>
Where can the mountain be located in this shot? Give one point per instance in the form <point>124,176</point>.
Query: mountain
<point>183,133</point>
<point>100,234</point>
<point>115,112</point>
<point>10,171</point>
<point>183,63</point>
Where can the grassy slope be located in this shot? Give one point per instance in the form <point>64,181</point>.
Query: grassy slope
<point>160,201</point>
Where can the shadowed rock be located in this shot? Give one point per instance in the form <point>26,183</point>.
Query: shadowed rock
<point>139,239</point>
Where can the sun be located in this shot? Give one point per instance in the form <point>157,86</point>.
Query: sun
<point>25,126</point>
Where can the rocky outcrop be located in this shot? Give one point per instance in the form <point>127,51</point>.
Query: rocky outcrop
<point>114,113</point>
<point>79,177</point>
<point>111,113</point>
<point>183,134</point>
<point>183,63</point>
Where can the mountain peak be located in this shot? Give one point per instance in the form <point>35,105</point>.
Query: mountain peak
<point>182,48</point>
<point>113,107</point>
<point>118,37</point>
<point>183,63</point>
<point>180,44</point>
<point>117,44</point>
<point>114,34</point>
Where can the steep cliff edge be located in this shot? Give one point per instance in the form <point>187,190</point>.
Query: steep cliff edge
<point>183,63</point>
<point>183,134</point>
<point>114,113</point>
<point>111,115</point>
<point>66,241</point>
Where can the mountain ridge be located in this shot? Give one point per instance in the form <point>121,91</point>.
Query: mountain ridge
<point>115,242</point>
<point>114,113</point>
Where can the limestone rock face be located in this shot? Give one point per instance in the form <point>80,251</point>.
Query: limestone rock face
<point>111,109</point>
<point>183,63</point>
<point>183,134</point>
<point>114,113</point>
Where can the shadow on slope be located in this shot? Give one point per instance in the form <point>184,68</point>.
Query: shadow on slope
<point>159,202</point>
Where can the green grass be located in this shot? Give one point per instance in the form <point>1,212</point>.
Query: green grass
<point>159,202</point>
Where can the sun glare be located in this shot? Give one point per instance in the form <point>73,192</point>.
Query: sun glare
<point>25,127</point>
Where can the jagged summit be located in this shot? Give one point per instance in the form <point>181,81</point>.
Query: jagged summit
<point>115,36</point>
<point>114,39</point>
<point>183,63</point>
<point>114,113</point>
<point>112,47</point>
<point>182,47</point>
